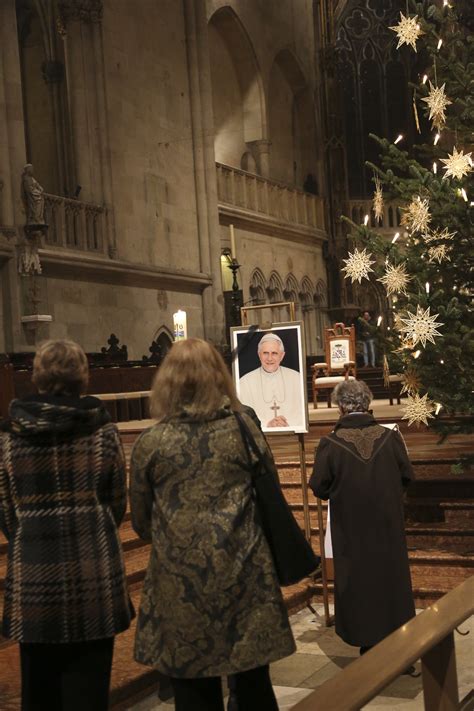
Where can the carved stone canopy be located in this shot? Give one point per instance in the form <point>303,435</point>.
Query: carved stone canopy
<point>82,10</point>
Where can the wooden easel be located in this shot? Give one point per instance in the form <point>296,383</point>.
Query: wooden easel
<point>329,619</point>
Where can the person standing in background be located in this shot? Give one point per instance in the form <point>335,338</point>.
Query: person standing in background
<point>366,328</point>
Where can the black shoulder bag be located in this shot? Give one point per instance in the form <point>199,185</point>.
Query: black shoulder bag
<point>293,557</point>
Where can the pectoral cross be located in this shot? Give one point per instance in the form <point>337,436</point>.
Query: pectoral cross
<point>275,408</point>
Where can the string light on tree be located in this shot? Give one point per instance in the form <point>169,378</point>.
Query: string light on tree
<point>418,409</point>
<point>408,31</point>
<point>421,327</point>
<point>395,279</point>
<point>457,164</point>
<point>358,265</point>
<point>437,102</point>
<point>417,215</point>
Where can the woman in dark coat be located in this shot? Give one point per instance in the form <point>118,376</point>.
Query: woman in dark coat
<point>62,498</point>
<point>211,603</point>
<point>363,469</point>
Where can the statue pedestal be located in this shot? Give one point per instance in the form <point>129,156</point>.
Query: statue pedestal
<point>35,320</point>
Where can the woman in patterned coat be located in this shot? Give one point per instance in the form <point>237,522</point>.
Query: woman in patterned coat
<point>363,469</point>
<point>211,603</point>
<point>62,498</point>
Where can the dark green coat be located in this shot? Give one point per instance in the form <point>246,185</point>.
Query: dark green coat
<point>211,604</point>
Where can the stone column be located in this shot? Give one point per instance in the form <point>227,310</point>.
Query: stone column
<point>261,151</point>
<point>88,102</point>
<point>12,160</point>
<point>205,166</point>
<point>74,56</point>
<point>12,127</point>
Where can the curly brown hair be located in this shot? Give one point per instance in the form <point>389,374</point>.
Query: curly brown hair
<point>193,376</point>
<point>60,367</point>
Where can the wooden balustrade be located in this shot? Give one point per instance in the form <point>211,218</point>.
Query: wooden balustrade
<point>268,197</point>
<point>75,224</point>
<point>429,636</point>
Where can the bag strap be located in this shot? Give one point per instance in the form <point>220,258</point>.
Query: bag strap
<point>249,442</point>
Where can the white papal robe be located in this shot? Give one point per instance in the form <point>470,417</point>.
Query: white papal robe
<point>281,389</point>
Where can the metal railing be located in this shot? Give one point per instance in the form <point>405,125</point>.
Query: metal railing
<point>74,224</point>
<point>267,197</point>
<point>429,636</point>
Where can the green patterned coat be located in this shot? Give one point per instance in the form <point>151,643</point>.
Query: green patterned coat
<point>211,604</point>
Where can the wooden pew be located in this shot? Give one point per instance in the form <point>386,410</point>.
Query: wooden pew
<point>124,389</point>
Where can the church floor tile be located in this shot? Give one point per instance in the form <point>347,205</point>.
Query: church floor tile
<point>321,654</point>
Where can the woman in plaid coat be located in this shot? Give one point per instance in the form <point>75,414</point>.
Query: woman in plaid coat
<point>62,498</point>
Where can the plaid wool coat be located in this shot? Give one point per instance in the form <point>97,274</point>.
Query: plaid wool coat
<point>62,498</point>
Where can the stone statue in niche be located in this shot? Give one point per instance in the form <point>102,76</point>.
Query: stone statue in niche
<point>32,195</point>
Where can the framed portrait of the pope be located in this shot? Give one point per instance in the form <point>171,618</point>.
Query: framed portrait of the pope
<point>270,376</point>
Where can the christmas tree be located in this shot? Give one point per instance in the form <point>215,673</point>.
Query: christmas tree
<point>426,268</point>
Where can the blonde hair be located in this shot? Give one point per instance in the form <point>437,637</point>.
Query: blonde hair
<point>193,375</point>
<point>60,367</point>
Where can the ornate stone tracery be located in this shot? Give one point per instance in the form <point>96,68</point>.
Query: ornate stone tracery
<point>88,11</point>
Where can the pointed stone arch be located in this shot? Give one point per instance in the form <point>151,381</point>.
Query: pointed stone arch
<point>291,291</point>
<point>258,287</point>
<point>293,154</point>
<point>160,345</point>
<point>275,288</point>
<point>237,87</point>
<point>307,292</point>
<point>321,293</point>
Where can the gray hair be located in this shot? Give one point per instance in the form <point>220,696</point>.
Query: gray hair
<point>352,396</point>
<point>270,337</point>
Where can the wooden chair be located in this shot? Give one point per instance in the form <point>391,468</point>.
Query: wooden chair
<point>340,365</point>
<point>393,383</point>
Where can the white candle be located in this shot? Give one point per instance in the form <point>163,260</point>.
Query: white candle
<point>232,242</point>
<point>180,325</point>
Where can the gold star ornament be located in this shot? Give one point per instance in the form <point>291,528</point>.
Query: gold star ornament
<point>358,265</point>
<point>395,279</point>
<point>417,216</point>
<point>418,409</point>
<point>408,30</point>
<point>439,252</point>
<point>420,327</point>
<point>410,382</point>
<point>457,165</point>
<point>377,202</point>
<point>439,234</point>
<point>437,102</point>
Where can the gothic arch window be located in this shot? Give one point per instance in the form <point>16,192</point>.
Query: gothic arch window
<point>258,287</point>
<point>372,79</point>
